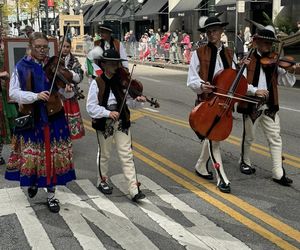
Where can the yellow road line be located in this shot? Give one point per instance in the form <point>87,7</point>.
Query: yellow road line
<point>260,149</point>
<point>220,205</point>
<point>275,223</point>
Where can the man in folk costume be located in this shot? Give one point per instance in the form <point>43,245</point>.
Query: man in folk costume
<point>263,81</point>
<point>106,42</point>
<point>42,150</point>
<point>111,119</point>
<point>206,61</point>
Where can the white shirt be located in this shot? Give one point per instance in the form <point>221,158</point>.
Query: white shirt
<point>194,81</point>
<point>96,111</point>
<point>27,97</point>
<point>284,79</point>
<point>76,76</point>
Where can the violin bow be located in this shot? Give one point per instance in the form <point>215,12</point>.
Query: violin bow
<point>59,57</point>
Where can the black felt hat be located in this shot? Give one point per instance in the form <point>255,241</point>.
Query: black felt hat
<point>212,21</point>
<point>111,55</point>
<point>268,33</point>
<point>106,27</point>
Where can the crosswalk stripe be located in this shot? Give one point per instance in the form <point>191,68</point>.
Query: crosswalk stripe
<point>72,211</point>
<point>13,200</point>
<point>114,222</point>
<point>205,229</point>
<point>177,231</point>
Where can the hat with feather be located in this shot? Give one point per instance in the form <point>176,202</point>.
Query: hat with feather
<point>206,22</point>
<point>264,32</point>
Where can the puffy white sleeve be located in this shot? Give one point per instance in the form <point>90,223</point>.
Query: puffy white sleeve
<point>18,95</point>
<point>133,104</point>
<point>285,78</point>
<point>92,105</point>
<point>194,81</point>
<point>123,55</point>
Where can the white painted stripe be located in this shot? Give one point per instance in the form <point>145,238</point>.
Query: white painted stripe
<point>290,109</point>
<point>149,79</point>
<point>72,211</point>
<point>152,110</point>
<point>114,223</point>
<point>14,201</point>
<point>177,231</point>
<point>204,229</point>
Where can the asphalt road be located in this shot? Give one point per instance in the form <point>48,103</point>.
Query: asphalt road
<point>182,211</point>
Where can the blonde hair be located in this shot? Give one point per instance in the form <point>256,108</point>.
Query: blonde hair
<point>37,35</point>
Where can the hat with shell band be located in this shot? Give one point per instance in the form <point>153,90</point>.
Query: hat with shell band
<point>210,22</point>
<point>111,55</point>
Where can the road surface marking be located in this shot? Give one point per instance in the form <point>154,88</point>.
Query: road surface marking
<point>14,201</point>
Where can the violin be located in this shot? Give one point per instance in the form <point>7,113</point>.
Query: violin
<point>283,62</point>
<point>135,88</point>
<point>63,76</point>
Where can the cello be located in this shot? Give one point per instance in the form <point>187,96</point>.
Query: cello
<point>212,118</point>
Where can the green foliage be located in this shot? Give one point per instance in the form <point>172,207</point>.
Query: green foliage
<point>285,24</point>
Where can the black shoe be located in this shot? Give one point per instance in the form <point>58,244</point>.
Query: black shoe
<point>2,161</point>
<point>224,188</point>
<point>105,188</point>
<point>207,177</point>
<point>138,196</point>
<point>246,169</point>
<point>284,181</point>
<point>32,191</point>
<point>53,205</point>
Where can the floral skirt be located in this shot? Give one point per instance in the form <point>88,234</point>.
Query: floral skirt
<point>73,115</point>
<point>43,155</point>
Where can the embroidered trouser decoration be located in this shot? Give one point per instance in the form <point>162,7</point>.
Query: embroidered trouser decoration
<point>50,170</point>
<point>215,156</point>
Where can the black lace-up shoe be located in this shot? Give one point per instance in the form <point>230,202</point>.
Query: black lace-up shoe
<point>246,169</point>
<point>2,161</point>
<point>207,177</point>
<point>138,196</point>
<point>53,205</point>
<point>224,188</point>
<point>284,181</point>
<point>105,188</point>
<point>32,191</point>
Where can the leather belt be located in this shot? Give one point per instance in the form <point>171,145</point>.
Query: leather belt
<point>112,107</point>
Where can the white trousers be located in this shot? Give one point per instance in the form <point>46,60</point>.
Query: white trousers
<point>123,146</point>
<point>271,130</point>
<point>211,150</point>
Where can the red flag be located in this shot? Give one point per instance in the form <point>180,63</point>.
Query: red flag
<point>50,3</point>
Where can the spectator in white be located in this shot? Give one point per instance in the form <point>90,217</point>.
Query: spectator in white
<point>224,39</point>
<point>247,39</point>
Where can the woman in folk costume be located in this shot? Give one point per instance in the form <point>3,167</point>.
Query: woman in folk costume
<point>111,119</point>
<point>42,153</point>
<point>262,82</point>
<point>206,61</point>
<point>71,105</point>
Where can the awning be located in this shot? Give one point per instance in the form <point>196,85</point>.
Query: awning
<point>151,7</point>
<point>95,11</point>
<point>86,8</point>
<point>113,11</point>
<point>184,8</point>
<point>233,2</point>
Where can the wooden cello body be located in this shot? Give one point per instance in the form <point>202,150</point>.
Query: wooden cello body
<point>212,118</point>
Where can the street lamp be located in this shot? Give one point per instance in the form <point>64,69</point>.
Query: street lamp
<point>132,5</point>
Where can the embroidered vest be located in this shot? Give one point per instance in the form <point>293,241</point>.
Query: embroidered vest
<point>271,85</point>
<point>103,94</point>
